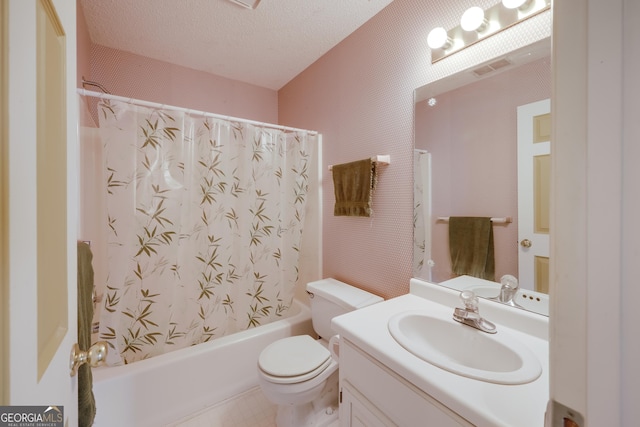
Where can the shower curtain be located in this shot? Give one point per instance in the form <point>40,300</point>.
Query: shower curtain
<point>422,262</point>
<point>204,223</point>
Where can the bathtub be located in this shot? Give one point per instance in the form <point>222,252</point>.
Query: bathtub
<point>166,388</point>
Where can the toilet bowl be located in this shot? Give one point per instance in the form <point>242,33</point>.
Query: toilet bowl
<point>300,373</point>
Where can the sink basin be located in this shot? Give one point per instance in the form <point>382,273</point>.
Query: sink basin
<point>496,358</point>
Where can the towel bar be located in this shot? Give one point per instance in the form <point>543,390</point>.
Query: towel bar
<point>503,220</point>
<point>379,159</point>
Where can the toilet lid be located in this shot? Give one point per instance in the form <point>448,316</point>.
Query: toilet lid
<point>293,356</point>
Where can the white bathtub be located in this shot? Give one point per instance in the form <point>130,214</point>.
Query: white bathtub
<point>166,388</point>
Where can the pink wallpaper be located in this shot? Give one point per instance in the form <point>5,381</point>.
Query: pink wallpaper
<point>135,76</point>
<point>471,134</point>
<point>360,97</point>
<point>357,117</point>
<point>83,45</point>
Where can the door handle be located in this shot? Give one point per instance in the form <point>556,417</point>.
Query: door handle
<point>525,243</point>
<point>95,356</point>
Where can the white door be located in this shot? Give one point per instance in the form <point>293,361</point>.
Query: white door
<point>39,204</point>
<point>534,167</point>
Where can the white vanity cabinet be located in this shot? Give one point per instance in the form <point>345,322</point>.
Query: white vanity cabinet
<point>382,383</point>
<point>372,395</point>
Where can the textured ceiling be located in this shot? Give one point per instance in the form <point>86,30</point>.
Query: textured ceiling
<point>267,46</point>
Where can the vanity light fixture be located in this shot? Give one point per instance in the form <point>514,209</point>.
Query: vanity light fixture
<point>517,4</point>
<point>439,39</point>
<point>473,20</point>
<point>477,24</point>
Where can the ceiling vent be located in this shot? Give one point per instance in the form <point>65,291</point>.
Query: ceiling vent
<point>249,4</point>
<point>489,68</point>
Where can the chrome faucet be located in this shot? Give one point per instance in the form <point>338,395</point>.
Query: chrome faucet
<point>469,315</point>
<point>508,290</point>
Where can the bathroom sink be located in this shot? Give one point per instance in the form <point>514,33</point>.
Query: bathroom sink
<point>496,358</point>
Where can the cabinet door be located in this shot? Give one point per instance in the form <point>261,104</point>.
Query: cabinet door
<point>386,395</point>
<point>357,411</point>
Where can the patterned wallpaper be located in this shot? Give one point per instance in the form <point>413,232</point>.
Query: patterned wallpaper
<point>134,76</point>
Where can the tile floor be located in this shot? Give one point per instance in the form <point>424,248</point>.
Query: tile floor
<point>249,409</point>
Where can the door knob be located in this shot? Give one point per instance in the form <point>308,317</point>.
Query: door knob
<point>525,243</point>
<point>95,356</point>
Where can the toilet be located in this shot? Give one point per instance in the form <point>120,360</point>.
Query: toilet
<point>300,373</point>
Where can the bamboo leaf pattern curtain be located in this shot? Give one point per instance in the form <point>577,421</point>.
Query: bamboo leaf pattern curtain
<point>422,262</point>
<point>205,218</point>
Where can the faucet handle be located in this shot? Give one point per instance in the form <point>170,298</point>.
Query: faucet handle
<point>510,282</point>
<point>470,300</point>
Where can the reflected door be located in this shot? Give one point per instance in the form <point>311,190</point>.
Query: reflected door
<point>534,174</point>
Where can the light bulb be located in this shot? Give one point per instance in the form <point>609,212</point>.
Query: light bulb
<point>438,38</point>
<point>516,4</point>
<point>473,19</point>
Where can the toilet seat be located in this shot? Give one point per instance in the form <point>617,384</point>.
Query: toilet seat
<point>293,360</point>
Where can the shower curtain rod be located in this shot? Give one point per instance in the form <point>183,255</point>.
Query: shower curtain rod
<point>95,84</point>
<point>187,110</point>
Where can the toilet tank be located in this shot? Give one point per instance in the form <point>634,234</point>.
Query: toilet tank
<point>330,298</point>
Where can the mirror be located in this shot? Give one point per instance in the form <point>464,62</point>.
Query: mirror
<point>466,162</point>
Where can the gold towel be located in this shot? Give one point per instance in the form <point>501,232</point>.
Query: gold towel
<point>86,400</point>
<point>353,185</point>
<point>471,247</point>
